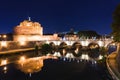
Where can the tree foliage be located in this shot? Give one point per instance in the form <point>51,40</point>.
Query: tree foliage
<point>46,48</point>
<point>116,24</point>
<point>88,34</point>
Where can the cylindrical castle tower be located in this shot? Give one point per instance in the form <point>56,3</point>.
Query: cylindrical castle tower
<point>28,28</point>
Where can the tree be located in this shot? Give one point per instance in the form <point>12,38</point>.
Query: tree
<point>103,51</point>
<point>116,24</point>
<point>116,31</point>
<point>88,34</point>
<point>46,48</point>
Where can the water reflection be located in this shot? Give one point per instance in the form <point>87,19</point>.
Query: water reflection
<point>5,68</point>
<point>86,54</point>
<point>31,65</point>
<point>67,64</point>
<point>4,62</point>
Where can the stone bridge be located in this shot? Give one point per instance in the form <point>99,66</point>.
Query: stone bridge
<point>87,42</point>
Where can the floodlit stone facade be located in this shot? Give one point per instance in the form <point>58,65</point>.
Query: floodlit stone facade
<point>28,28</point>
<point>31,31</point>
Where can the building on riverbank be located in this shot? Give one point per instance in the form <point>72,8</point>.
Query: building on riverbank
<point>31,31</point>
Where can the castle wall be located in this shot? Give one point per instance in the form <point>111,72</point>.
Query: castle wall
<point>34,37</point>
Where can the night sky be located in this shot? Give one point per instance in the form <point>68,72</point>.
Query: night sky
<point>59,15</point>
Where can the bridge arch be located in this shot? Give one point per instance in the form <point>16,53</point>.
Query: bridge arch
<point>93,45</point>
<point>76,45</point>
<point>111,47</point>
<point>93,55</point>
<point>63,52</point>
<point>77,53</point>
<point>63,45</point>
<point>93,50</point>
<point>52,44</point>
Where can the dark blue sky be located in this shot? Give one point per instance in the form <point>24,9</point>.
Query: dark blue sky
<point>59,15</point>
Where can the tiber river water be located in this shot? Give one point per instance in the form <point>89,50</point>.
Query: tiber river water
<point>29,66</point>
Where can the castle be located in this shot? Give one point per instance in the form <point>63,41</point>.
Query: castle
<point>31,31</point>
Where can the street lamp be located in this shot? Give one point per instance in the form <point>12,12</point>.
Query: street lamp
<point>4,37</point>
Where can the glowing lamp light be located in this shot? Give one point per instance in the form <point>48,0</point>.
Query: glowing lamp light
<point>69,43</point>
<point>76,51</point>
<point>47,42</point>
<point>64,51</point>
<point>22,43</point>
<point>5,68</point>
<point>57,54</point>
<point>113,44</point>
<point>4,36</point>
<point>85,43</point>
<point>22,58</point>
<point>100,57</point>
<point>22,38</point>
<point>69,55</point>
<point>4,62</point>
<point>85,56</point>
<point>4,44</point>
<point>101,43</point>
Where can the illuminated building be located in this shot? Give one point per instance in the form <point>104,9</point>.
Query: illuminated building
<point>31,31</point>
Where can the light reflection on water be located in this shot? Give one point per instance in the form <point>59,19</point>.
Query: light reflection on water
<point>26,65</point>
<point>35,64</point>
<point>30,65</point>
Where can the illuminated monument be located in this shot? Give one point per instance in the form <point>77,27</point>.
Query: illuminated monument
<point>31,31</point>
